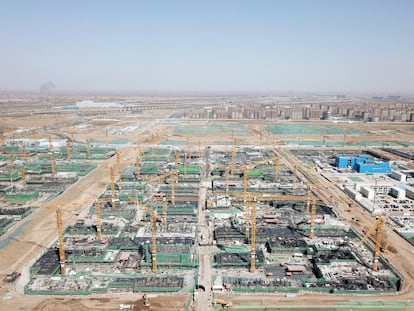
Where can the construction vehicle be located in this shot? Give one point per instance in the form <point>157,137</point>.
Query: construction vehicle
<point>146,300</point>
<point>222,302</point>
<point>11,277</point>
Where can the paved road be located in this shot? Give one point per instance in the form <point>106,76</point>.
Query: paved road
<point>203,300</point>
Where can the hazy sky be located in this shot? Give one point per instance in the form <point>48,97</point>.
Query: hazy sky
<point>195,45</point>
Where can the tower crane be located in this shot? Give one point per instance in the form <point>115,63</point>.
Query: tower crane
<point>189,148</point>
<point>118,164</point>
<point>295,177</point>
<point>139,163</point>
<point>246,206</point>
<point>59,224</point>
<point>233,153</point>
<point>2,141</point>
<point>88,149</point>
<point>68,149</point>
<point>11,160</point>
<point>112,177</point>
<point>377,226</point>
<point>173,179</point>
<point>23,173</point>
<point>153,215</point>
<point>185,163</point>
<point>265,197</point>
<point>24,153</point>
<point>177,159</point>
<point>277,168</point>
<point>312,220</point>
<point>98,220</point>
<point>164,211</point>
<point>50,144</point>
<point>226,176</point>
<point>61,243</point>
<point>253,240</point>
<point>52,159</point>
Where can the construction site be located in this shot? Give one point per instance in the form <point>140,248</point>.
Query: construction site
<point>223,214</point>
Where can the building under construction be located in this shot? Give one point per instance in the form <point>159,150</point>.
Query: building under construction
<point>268,228</point>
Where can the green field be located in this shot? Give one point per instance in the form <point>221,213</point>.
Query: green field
<point>216,129</point>
<point>307,129</point>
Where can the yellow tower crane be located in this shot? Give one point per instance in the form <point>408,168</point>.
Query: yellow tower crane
<point>295,177</point>
<point>52,159</point>
<point>139,163</point>
<point>377,226</point>
<point>177,159</point>
<point>185,163</point>
<point>68,149</point>
<point>164,211</point>
<point>174,179</point>
<point>2,141</point>
<point>277,163</point>
<point>233,154</point>
<point>112,177</point>
<point>23,173</point>
<point>24,153</point>
<point>267,197</point>
<point>61,243</point>
<point>88,149</point>
<point>106,137</point>
<point>98,220</point>
<point>226,176</point>
<point>153,215</point>
<point>50,144</point>
<point>253,240</point>
<point>153,239</point>
<point>189,148</point>
<point>312,220</point>
<point>245,202</point>
<point>118,164</point>
<point>308,197</point>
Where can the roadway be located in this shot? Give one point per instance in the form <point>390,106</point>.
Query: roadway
<point>203,300</point>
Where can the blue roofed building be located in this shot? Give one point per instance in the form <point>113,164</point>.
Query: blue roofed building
<point>363,164</point>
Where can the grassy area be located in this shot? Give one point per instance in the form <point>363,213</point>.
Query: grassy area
<point>307,129</point>
<point>216,129</point>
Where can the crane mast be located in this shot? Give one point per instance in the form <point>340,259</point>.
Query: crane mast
<point>164,212</point>
<point>61,243</point>
<point>153,215</point>
<point>139,163</point>
<point>233,154</point>
<point>52,159</point>
<point>377,226</point>
<point>112,177</point>
<point>68,149</point>
<point>312,220</point>
<point>24,153</point>
<point>98,220</point>
<point>245,201</point>
<point>253,241</point>
<point>88,150</point>
<point>23,173</point>
<point>153,241</point>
